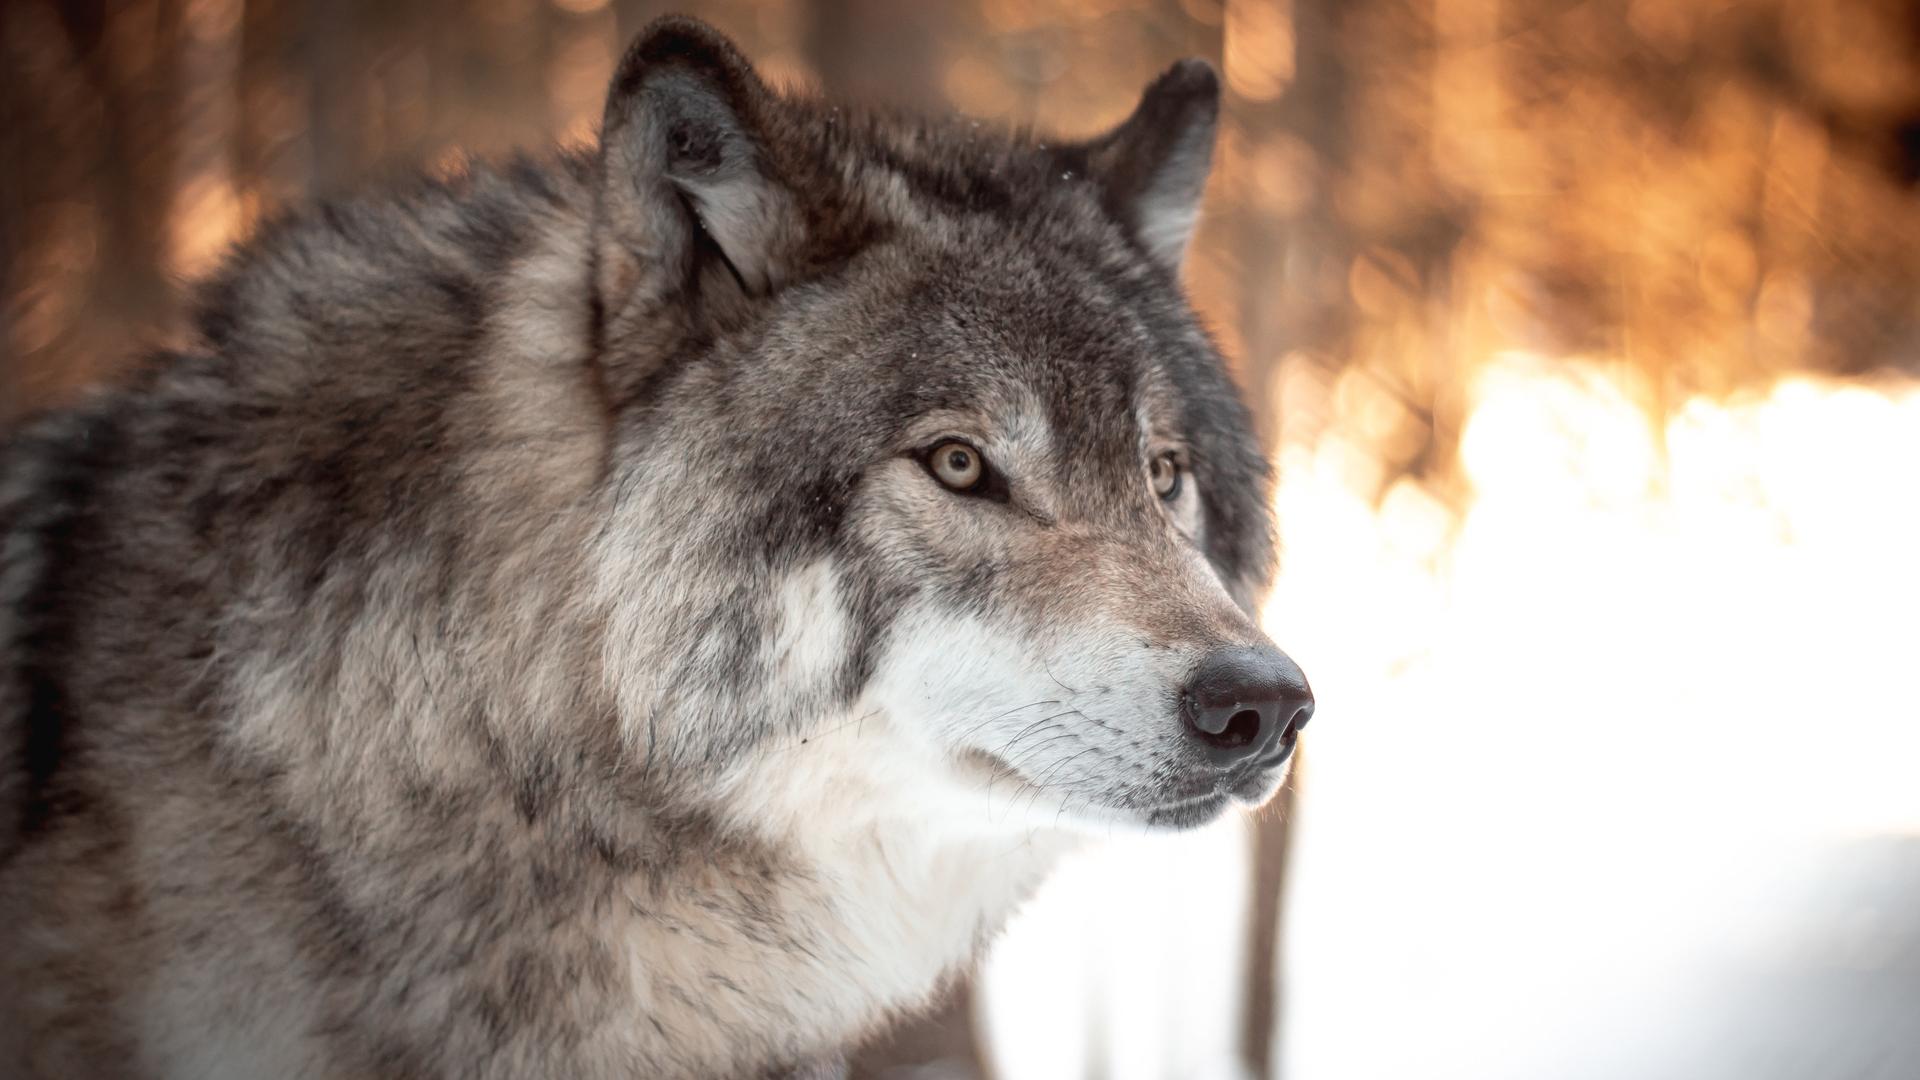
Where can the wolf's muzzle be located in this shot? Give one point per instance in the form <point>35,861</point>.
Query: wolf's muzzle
<point>1246,704</point>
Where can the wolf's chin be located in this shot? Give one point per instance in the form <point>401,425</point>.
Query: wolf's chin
<point>1189,813</point>
<point>1102,816</point>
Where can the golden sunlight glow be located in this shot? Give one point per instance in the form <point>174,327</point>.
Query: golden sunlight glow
<point>1258,49</point>
<point>1564,725</point>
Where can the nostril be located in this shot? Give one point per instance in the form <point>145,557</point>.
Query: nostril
<point>1242,728</point>
<point>1295,722</point>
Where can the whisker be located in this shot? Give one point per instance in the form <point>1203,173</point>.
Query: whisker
<point>975,729</point>
<point>1041,785</point>
<point>1067,733</point>
<point>1056,681</point>
<point>1007,749</point>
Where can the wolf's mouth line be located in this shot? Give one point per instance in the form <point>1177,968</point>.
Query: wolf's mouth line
<point>1180,812</point>
<point>1190,800</point>
<point>1231,785</point>
<point>1187,813</point>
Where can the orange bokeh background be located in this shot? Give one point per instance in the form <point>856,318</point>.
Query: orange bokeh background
<point>1585,337</point>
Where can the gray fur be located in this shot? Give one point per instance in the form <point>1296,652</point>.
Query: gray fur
<point>518,637</point>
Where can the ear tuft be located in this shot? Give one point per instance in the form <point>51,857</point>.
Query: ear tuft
<point>678,43</point>
<point>684,150</point>
<point>1153,167</point>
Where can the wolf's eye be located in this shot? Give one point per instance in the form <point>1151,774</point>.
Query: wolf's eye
<point>1164,471</point>
<point>956,465</point>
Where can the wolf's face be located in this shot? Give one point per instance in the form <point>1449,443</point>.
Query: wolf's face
<point>979,507</point>
<point>1042,508</point>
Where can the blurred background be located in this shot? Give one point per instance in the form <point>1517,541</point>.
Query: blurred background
<point>1586,339</point>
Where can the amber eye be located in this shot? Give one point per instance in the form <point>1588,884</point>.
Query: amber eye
<point>1164,471</point>
<point>956,465</point>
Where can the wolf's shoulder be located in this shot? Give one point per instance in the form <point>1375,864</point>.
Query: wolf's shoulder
<point>403,267</point>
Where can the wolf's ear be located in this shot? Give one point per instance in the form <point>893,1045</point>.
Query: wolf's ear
<point>683,151</point>
<point>1153,168</point>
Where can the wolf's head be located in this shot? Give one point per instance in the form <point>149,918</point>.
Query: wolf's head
<point>927,482</point>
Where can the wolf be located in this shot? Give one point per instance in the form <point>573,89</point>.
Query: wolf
<point>649,610</point>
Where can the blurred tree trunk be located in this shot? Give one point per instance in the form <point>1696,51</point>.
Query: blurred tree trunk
<point>90,113</point>
<point>134,67</point>
<point>1294,303</point>
<point>335,122</point>
<point>273,158</point>
<point>906,73</point>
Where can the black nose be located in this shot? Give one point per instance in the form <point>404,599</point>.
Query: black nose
<point>1244,701</point>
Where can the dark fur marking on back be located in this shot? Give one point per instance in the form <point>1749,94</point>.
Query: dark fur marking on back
<point>48,735</point>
